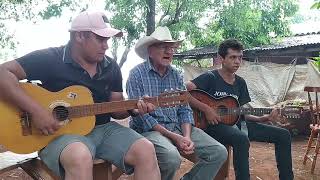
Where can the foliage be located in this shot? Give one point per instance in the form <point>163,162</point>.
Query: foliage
<point>316,62</point>
<point>316,5</point>
<point>178,15</point>
<point>183,17</point>
<point>19,10</point>
<point>206,22</point>
<point>254,22</point>
<point>198,22</point>
<point>128,15</point>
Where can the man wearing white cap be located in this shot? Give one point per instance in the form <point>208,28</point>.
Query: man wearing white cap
<point>171,129</point>
<point>82,62</point>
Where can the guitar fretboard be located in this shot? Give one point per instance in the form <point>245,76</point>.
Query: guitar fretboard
<point>244,111</point>
<point>106,107</point>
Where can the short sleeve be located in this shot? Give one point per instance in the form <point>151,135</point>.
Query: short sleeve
<point>37,64</point>
<point>244,97</point>
<point>203,81</point>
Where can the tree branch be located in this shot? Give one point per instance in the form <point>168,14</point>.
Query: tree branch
<point>177,14</point>
<point>124,56</point>
<point>165,14</point>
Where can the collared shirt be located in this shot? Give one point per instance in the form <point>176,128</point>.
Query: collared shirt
<point>56,70</point>
<point>145,80</point>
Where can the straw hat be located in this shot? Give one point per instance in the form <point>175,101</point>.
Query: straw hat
<point>161,34</point>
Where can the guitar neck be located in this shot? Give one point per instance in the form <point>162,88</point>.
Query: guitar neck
<point>245,111</point>
<point>106,107</point>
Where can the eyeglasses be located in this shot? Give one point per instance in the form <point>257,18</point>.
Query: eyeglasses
<point>167,48</point>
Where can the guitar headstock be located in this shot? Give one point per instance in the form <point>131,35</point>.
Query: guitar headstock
<point>173,98</point>
<point>292,112</point>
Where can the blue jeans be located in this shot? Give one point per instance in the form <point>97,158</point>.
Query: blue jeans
<point>259,132</point>
<point>210,152</point>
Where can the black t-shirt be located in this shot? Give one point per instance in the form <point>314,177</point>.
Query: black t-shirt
<point>213,83</point>
<point>56,70</point>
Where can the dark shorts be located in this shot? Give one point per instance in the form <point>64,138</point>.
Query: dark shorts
<point>109,141</point>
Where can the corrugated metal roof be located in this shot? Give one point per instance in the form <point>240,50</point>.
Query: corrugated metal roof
<point>293,41</point>
<point>312,38</point>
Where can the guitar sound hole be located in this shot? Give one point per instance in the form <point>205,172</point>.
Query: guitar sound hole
<point>60,113</point>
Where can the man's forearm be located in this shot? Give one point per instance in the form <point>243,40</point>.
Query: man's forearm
<point>186,129</point>
<point>164,131</point>
<point>195,103</point>
<point>11,91</point>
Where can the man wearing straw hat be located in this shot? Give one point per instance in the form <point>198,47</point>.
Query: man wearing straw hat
<point>171,130</point>
<point>82,62</point>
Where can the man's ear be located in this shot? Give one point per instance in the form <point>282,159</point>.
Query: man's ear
<point>79,36</point>
<point>220,58</point>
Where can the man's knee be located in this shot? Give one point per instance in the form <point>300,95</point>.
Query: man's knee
<point>222,151</point>
<point>76,155</point>
<point>216,153</point>
<point>284,136</point>
<point>170,159</point>
<point>142,151</point>
<point>241,140</point>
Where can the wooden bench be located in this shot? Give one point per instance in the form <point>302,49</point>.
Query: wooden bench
<point>102,170</point>
<point>34,167</point>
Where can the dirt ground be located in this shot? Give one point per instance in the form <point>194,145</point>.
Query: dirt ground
<point>262,164</point>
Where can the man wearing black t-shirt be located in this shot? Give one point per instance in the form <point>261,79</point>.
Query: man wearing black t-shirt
<point>224,82</point>
<point>81,62</point>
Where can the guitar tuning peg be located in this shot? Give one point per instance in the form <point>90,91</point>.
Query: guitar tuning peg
<point>169,91</point>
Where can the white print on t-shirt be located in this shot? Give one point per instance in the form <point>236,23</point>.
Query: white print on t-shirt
<point>223,94</point>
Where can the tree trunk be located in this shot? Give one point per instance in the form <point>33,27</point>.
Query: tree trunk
<point>114,50</point>
<point>124,56</point>
<point>151,24</point>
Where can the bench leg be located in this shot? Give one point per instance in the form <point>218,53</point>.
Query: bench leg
<point>102,171</point>
<point>116,173</point>
<point>223,173</point>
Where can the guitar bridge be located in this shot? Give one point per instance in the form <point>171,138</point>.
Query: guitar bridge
<point>25,122</point>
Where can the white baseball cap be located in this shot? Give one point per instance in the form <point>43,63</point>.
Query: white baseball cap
<point>96,22</point>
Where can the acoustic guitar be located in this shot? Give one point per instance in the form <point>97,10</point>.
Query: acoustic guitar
<point>229,110</point>
<point>72,106</point>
